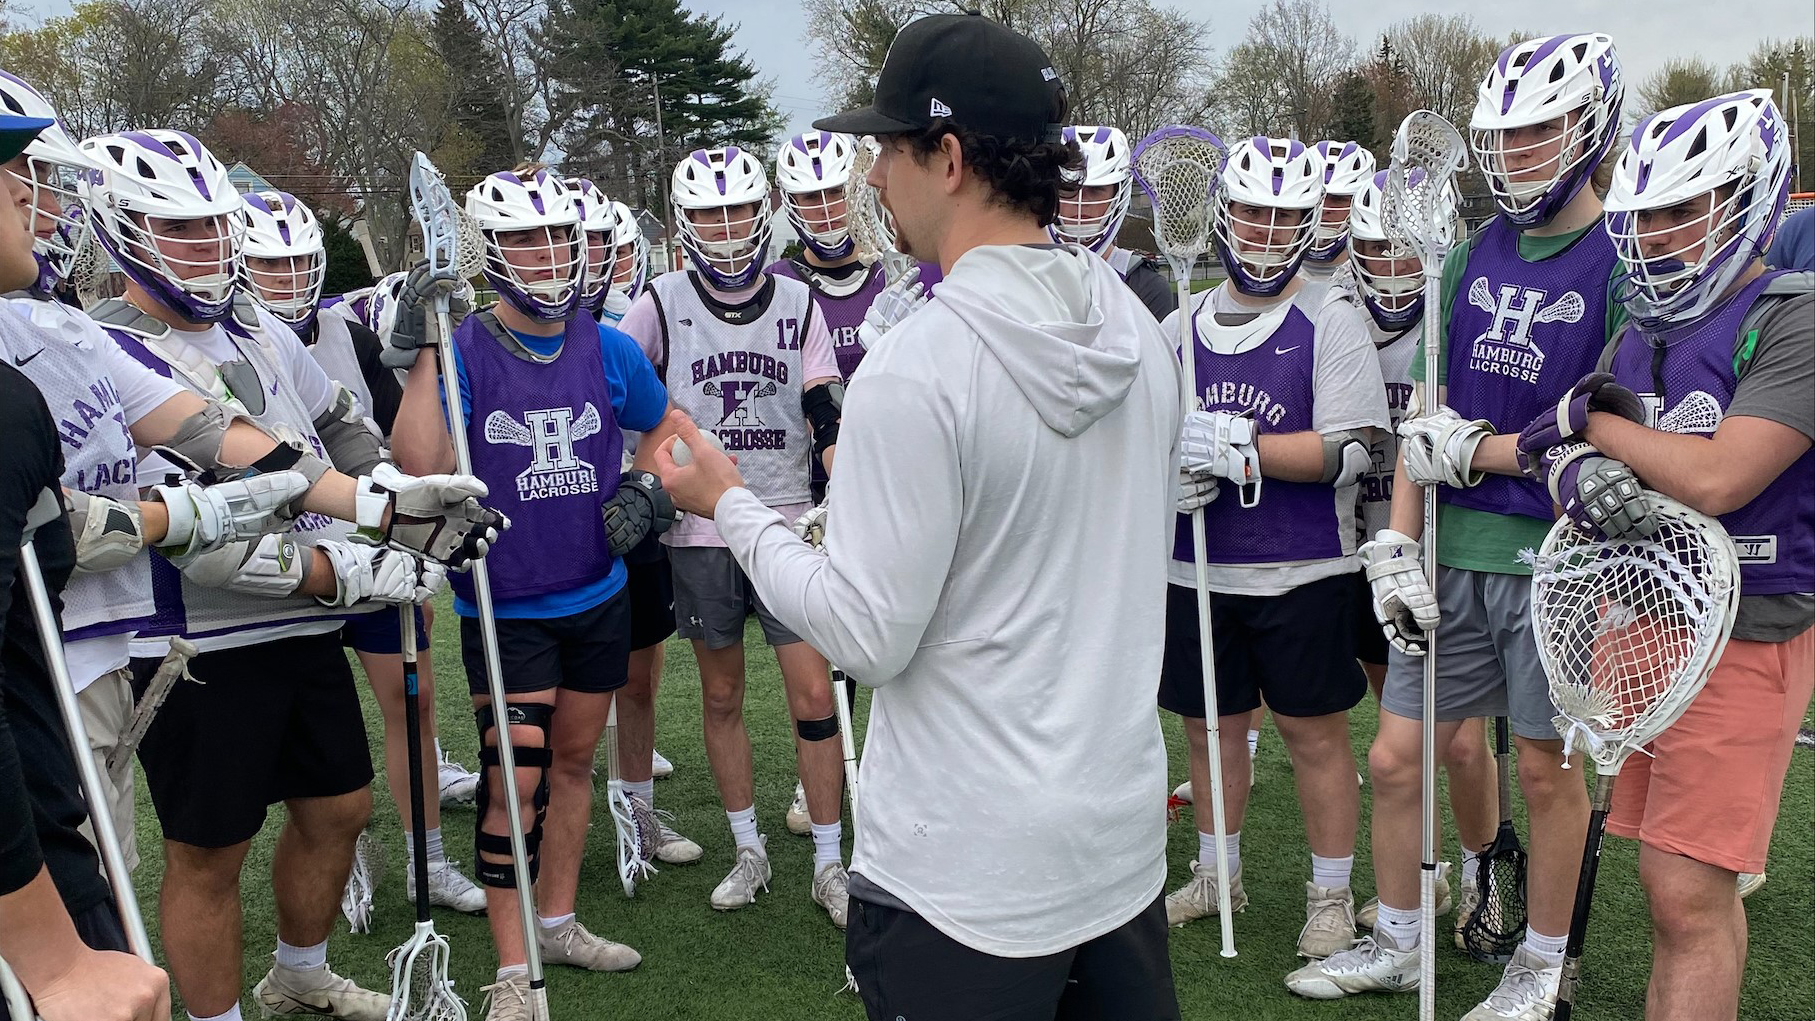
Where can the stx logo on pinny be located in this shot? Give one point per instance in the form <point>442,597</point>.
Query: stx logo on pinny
<point>551,433</point>
<point>1507,349</point>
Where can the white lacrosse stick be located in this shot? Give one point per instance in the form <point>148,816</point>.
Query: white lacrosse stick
<point>18,1002</point>
<point>634,846</point>
<point>1428,152</point>
<point>439,219</point>
<point>872,229</point>
<point>420,987</point>
<point>1628,633</point>
<point>815,536</point>
<point>1177,167</point>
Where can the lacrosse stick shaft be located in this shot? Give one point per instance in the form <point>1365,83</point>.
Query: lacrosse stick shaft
<point>1427,754</point>
<point>18,1003</point>
<point>846,737</point>
<point>1578,916</point>
<point>1503,765</point>
<point>174,668</point>
<point>100,816</point>
<point>412,724</point>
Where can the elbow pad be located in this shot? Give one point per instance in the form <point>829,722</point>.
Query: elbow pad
<point>108,532</point>
<point>1346,457</point>
<point>272,567</point>
<point>348,436</point>
<point>824,404</point>
<point>196,448</point>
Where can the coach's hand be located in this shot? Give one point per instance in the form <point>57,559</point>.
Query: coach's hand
<point>105,986</point>
<point>695,470</point>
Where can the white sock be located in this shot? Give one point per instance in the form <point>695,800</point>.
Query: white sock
<point>1471,865</point>
<point>302,958</point>
<point>1206,849</point>
<point>232,1014</point>
<point>644,789</point>
<point>743,827</point>
<point>1253,742</point>
<point>552,924</point>
<point>431,840</point>
<point>1332,873</point>
<point>1399,924</point>
<point>513,971</point>
<point>1549,948</point>
<point>826,845</point>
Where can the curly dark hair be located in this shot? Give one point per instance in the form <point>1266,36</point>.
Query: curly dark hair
<point>1021,175</point>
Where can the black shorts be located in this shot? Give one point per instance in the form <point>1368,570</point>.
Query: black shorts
<point>378,634</point>
<point>651,589</point>
<point>1370,639</point>
<point>587,651</point>
<point>1297,649</point>
<point>269,722</point>
<point>905,968</point>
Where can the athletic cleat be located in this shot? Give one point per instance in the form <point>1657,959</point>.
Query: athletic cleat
<point>574,946</point>
<point>1374,965</point>
<point>1750,883</point>
<point>751,873</point>
<point>1197,898</point>
<point>1369,912</point>
<point>798,822</point>
<point>663,844</point>
<point>448,888</point>
<point>831,891</point>
<point>659,766</point>
<point>459,785</point>
<point>1466,902</point>
<point>362,883</point>
<point>1329,922</point>
<point>317,992</point>
<point>1527,991</point>
<point>508,999</point>
<point>1182,792</point>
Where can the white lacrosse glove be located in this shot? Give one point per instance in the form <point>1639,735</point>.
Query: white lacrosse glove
<point>896,302</point>
<point>1439,448</point>
<point>811,526</point>
<point>205,518</point>
<point>1404,604</point>
<point>438,516</point>
<point>1195,489</point>
<point>1223,444</point>
<point>379,574</point>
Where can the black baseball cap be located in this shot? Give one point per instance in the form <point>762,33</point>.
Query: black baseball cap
<point>17,132</point>
<point>973,72</point>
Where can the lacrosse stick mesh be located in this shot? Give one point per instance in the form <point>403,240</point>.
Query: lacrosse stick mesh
<point>1177,167</point>
<point>1428,152</point>
<point>420,987</point>
<point>89,268</point>
<point>872,229</point>
<point>470,245</point>
<point>1497,925</point>
<point>1629,631</point>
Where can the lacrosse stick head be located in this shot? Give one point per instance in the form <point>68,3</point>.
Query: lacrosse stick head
<point>1494,929</point>
<point>439,217</point>
<point>1417,201</point>
<point>420,987</point>
<point>872,228</point>
<point>1178,167</point>
<point>1628,632</point>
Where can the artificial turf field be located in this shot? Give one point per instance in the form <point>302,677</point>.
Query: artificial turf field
<point>781,960</point>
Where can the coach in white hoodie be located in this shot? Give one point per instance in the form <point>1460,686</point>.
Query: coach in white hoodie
<point>995,566</point>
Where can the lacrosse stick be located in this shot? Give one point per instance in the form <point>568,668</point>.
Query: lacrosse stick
<point>634,845</point>
<point>843,691</point>
<point>13,995</point>
<point>100,816</point>
<point>439,219</point>
<point>1628,633</point>
<point>872,229</point>
<point>174,668</point>
<point>420,987</point>
<point>1492,931</point>
<point>1427,152</point>
<point>1177,167</point>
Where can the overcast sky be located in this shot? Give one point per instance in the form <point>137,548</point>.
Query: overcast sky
<point>1647,33</point>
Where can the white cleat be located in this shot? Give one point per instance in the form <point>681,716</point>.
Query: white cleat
<point>750,874</point>
<point>318,992</point>
<point>508,999</point>
<point>1750,883</point>
<point>574,946</point>
<point>1374,965</point>
<point>831,890</point>
<point>799,823</point>
<point>1197,898</point>
<point>362,883</point>
<point>1329,922</point>
<point>1369,912</point>
<point>1527,991</point>
<point>448,888</point>
<point>659,766</point>
<point>459,785</point>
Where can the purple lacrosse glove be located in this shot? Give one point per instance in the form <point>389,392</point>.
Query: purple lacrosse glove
<point>1566,421</point>
<point>1600,495</point>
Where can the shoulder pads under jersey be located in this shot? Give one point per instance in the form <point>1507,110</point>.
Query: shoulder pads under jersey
<point>120,314</point>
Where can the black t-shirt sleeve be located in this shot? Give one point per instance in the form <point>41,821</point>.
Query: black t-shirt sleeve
<point>387,393</point>
<point>1152,287</point>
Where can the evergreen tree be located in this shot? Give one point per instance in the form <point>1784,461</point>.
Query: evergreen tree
<point>480,141</point>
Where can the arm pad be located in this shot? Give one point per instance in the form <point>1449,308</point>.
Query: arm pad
<point>108,532</point>
<point>823,405</point>
<point>1346,457</point>
<point>272,567</point>
<point>350,442</point>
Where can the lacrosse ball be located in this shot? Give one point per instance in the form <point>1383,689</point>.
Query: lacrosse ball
<point>683,456</point>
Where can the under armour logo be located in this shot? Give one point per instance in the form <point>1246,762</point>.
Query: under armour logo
<point>939,109</point>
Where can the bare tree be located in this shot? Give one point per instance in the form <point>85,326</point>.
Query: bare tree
<point>533,115</point>
<point>1285,71</point>
<point>1444,58</point>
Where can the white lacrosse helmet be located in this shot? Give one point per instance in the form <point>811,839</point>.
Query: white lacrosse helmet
<point>538,203</point>
<point>55,164</point>
<point>712,182</point>
<point>1392,285</point>
<point>1736,143</point>
<point>596,221</point>
<point>145,189</point>
<point>1347,167</point>
<point>1108,162</point>
<point>1572,79</point>
<point>279,226</point>
<point>630,263</point>
<point>808,168</point>
<point>1280,175</point>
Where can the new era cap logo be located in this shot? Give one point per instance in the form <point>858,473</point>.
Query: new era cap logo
<point>1048,74</point>
<point>939,109</point>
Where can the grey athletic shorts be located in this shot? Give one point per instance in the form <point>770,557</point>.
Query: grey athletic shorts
<point>712,596</point>
<point>1487,659</point>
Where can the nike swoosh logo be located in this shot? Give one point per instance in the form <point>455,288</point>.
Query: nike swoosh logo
<point>686,322</point>
<point>21,361</point>
<point>1287,350</point>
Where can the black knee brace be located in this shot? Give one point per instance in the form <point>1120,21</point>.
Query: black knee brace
<point>522,714</point>
<point>817,730</point>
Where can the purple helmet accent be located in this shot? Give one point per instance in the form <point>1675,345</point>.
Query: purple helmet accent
<point>1571,78</point>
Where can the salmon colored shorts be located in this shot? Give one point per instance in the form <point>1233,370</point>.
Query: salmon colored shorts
<point>1712,792</point>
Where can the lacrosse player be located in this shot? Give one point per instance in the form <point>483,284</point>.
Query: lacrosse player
<point>985,617</point>
<point>749,355</point>
<point>282,265</point>
<point>1347,168</point>
<point>547,390</point>
<point>1527,302</point>
<point>1720,353</point>
<point>1093,215</point>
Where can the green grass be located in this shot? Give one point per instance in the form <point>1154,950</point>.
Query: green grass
<point>781,959</point>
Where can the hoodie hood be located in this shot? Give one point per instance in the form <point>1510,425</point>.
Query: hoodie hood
<point>1040,310</point>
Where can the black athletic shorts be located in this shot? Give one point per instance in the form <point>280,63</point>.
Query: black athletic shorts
<point>651,588</point>
<point>1370,638</point>
<point>1297,649</point>
<point>905,968</point>
<point>269,722</point>
<point>587,651</point>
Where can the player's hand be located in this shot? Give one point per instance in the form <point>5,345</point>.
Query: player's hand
<point>1404,604</point>
<point>811,526</point>
<point>380,574</point>
<point>896,302</point>
<point>1195,489</point>
<point>1599,494</point>
<point>1565,421</point>
<point>695,469</point>
<point>105,986</point>
<point>639,509</point>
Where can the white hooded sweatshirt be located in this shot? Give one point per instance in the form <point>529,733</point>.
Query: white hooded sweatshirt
<point>995,566</point>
